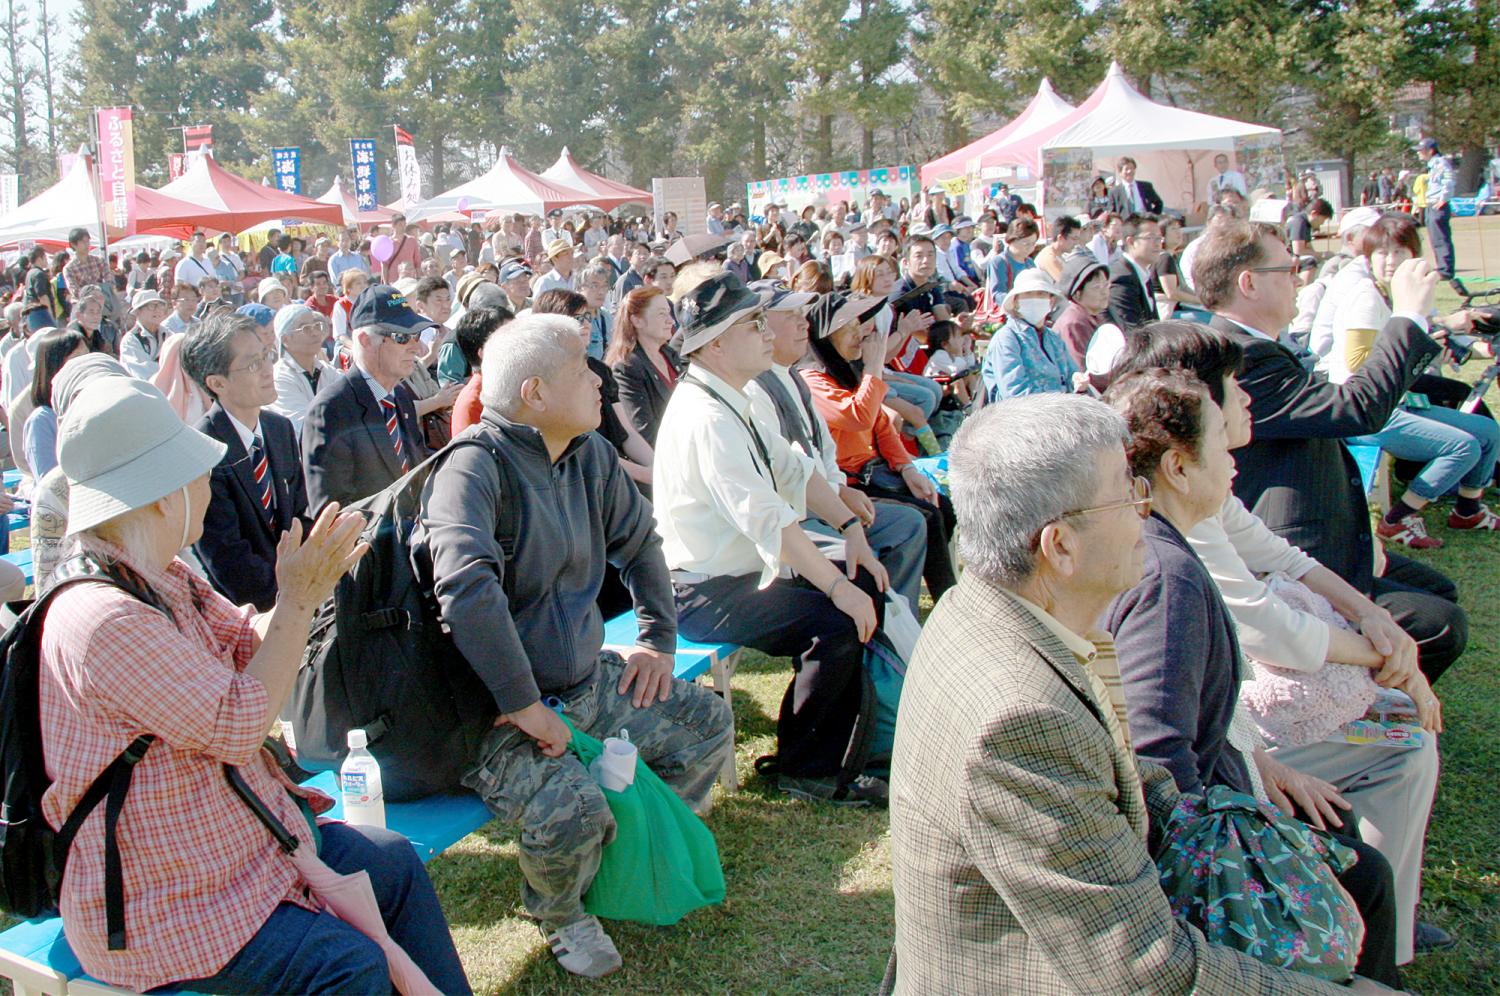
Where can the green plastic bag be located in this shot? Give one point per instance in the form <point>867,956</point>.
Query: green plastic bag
<point>663,862</point>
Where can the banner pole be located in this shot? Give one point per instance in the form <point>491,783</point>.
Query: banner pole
<point>94,177</point>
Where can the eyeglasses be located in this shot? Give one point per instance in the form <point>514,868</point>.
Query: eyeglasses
<point>265,359</point>
<point>758,323</point>
<point>313,325</point>
<point>1140,497</point>
<point>1288,268</point>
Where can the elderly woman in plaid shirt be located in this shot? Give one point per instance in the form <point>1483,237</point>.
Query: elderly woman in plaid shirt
<point>211,903</point>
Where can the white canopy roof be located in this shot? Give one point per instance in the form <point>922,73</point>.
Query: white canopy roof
<point>508,186</point>
<point>1118,119</point>
<point>49,216</point>
<point>1045,108</point>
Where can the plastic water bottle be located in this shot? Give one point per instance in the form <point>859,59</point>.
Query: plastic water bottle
<point>359,781</point>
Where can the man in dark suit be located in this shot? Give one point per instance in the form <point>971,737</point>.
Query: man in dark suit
<point>1297,475</point>
<point>361,432</point>
<point>1131,196</point>
<point>257,489</point>
<point>1130,301</point>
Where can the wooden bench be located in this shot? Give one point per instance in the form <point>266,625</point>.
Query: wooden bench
<point>36,957</point>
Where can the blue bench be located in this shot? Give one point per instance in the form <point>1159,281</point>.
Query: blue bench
<point>22,559</point>
<point>36,956</point>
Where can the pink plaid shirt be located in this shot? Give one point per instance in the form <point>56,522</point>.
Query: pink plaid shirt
<point>85,271</point>
<point>201,873</point>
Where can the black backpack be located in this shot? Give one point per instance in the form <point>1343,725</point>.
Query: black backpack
<point>379,659</point>
<point>32,856</point>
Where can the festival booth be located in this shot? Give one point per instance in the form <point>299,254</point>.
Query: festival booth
<point>973,169</point>
<point>73,202</point>
<point>508,188</point>
<point>338,194</point>
<point>604,193</point>
<point>822,189</point>
<point>235,204</point>
<point>1174,148</point>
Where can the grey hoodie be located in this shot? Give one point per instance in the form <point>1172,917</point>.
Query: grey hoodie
<point>540,632</point>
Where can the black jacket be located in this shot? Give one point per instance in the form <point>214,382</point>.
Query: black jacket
<point>1297,475</point>
<point>346,452</point>
<point>539,632</point>
<point>643,392</point>
<point>238,548</point>
<point>1124,204</point>
<point>1129,305</point>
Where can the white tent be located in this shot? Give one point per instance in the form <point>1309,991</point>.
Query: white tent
<point>1045,108</point>
<point>49,216</point>
<point>507,186</point>
<point>1173,147</point>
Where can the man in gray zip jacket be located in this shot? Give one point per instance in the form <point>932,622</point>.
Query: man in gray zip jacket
<point>529,627</point>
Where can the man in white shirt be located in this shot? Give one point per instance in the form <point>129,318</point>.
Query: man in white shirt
<point>302,370</point>
<point>345,258</point>
<point>730,494</point>
<point>1225,179</point>
<point>140,348</point>
<point>554,231</point>
<point>195,265</point>
<point>560,277</point>
<point>896,532</point>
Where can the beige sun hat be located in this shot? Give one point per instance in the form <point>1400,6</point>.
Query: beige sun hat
<point>122,447</point>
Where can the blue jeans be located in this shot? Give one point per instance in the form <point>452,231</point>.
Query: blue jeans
<point>924,392</point>
<point>898,537</point>
<point>299,951</point>
<point>1459,449</point>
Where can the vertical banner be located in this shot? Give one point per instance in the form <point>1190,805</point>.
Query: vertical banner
<point>198,140</point>
<point>407,166</point>
<point>366,187</point>
<point>287,164</point>
<point>10,192</point>
<point>116,165</point>
<point>176,164</point>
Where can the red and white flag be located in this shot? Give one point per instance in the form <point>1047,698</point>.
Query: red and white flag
<point>198,139</point>
<point>407,167</point>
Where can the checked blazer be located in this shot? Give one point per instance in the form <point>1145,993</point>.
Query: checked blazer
<point>1018,845</point>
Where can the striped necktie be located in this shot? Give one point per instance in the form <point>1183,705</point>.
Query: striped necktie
<point>393,427</point>
<point>262,467</point>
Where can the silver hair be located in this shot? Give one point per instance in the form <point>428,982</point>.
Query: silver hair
<point>1017,465</point>
<point>535,346</point>
<point>595,268</point>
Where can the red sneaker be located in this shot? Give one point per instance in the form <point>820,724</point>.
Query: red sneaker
<point>1484,519</point>
<point>1410,531</point>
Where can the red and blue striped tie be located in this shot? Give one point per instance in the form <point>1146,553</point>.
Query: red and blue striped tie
<point>393,426</point>
<point>262,467</point>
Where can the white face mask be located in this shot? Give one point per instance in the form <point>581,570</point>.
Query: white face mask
<point>1034,311</point>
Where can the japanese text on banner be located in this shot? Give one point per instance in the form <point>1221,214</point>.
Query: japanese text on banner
<point>366,187</point>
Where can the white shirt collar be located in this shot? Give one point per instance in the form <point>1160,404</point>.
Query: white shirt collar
<point>247,434</point>
<point>1255,332</point>
<point>376,387</point>
<point>736,398</point>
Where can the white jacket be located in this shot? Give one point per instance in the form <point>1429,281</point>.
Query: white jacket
<point>293,392</point>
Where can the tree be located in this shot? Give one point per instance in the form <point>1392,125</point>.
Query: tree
<point>17,76</point>
<point>876,98</point>
<point>1455,45</point>
<point>633,59</point>
<point>552,81</point>
<point>822,64</point>
<point>47,29</point>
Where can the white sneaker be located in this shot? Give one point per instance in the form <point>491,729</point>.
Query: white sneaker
<point>583,948</point>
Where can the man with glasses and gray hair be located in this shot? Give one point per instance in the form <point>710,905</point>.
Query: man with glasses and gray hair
<point>361,431</point>
<point>1020,817</point>
<point>257,489</point>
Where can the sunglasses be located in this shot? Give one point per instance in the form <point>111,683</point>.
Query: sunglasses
<point>401,338</point>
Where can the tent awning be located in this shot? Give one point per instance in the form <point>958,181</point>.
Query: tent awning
<point>507,186</point>
<point>339,194</point>
<point>237,203</point>
<point>605,193</point>
<point>1045,108</point>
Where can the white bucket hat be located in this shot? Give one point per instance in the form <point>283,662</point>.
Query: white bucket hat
<point>1031,279</point>
<point>123,447</point>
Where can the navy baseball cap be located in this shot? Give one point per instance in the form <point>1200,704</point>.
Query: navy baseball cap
<point>383,306</point>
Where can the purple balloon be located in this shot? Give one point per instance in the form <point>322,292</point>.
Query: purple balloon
<point>463,205</point>
<point>382,248</point>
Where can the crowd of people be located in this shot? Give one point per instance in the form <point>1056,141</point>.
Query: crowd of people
<point>724,432</point>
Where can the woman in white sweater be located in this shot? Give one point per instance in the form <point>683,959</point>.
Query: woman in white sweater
<point>1390,789</point>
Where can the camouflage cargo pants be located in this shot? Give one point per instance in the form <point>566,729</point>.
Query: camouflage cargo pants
<point>564,819</point>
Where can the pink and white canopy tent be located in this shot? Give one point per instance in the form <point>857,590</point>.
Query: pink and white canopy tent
<point>73,202</point>
<point>1173,147</point>
<point>1045,108</point>
<point>339,194</point>
<point>507,186</point>
<point>605,193</point>
<point>237,204</point>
